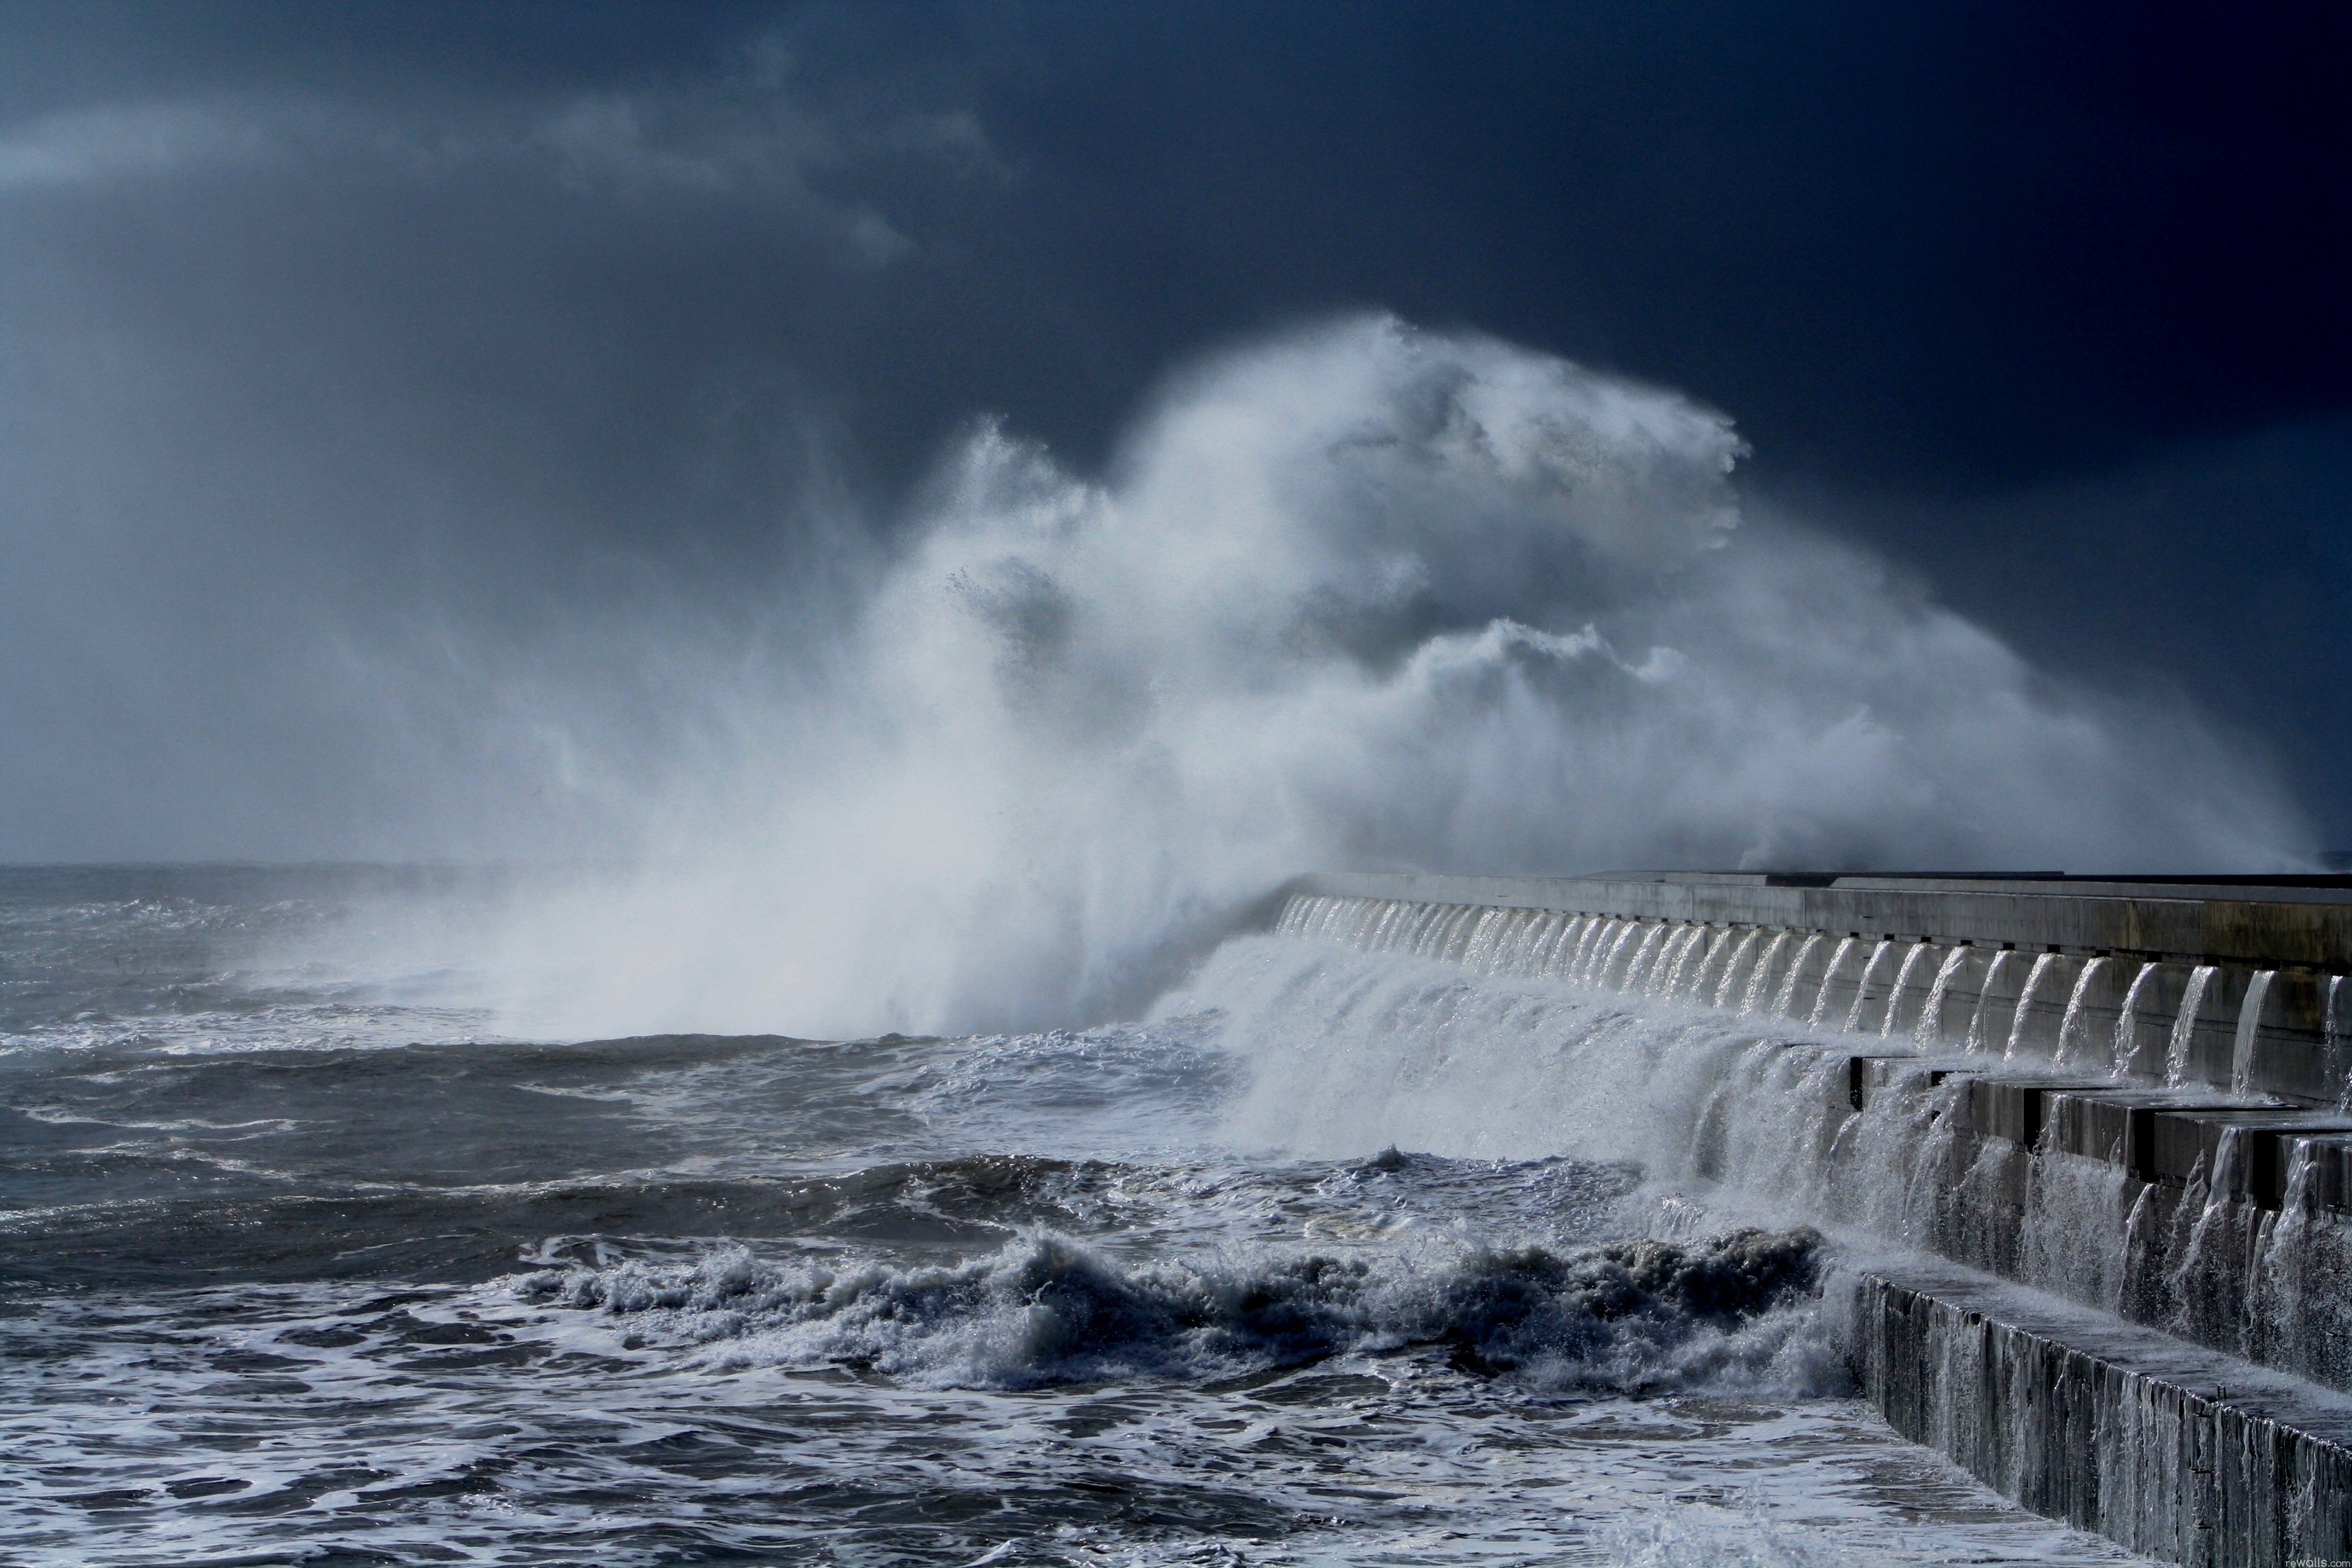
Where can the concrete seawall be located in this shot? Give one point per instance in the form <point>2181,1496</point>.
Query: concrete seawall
<point>2150,940</point>
<point>2128,1092</point>
<point>2171,1451</point>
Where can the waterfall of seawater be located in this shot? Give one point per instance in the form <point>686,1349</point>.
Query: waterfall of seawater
<point>1677,960</point>
<point>1614,937</point>
<point>1579,1013</point>
<point>2123,1054</point>
<point>2300,1284</point>
<point>1787,997</point>
<point>1878,956</point>
<point>1995,973</point>
<point>1697,987</point>
<point>1813,1015</point>
<point>1760,978</point>
<point>2071,1028</point>
<point>2336,1026</point>
<point>2184,1026</point>
<point>1911,957</point>
<point>1561,961</point>
<point>1931,1012</point>
<point>2076,1238</point>
<point>2250,1020</point>
<point>1484,932</point>
<point>1644,958</point>
<point>1596,931</point>
<point>2215,1235</point>
<point>1737,967</point>
<point>2020,1020</point>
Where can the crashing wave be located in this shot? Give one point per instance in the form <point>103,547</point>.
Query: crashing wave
<point>1628,1316</point>
<point>1357,595</point>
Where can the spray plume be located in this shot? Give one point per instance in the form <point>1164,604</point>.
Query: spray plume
<point>1362,596</point>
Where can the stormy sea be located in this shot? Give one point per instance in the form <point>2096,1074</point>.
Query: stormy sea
<point>1322,1256</point>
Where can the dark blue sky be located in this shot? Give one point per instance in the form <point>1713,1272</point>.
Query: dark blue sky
<point>376,305</point>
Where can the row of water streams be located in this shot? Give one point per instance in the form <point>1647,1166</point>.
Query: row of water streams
<point>2048,1005</point>
<point>1787,1022</point>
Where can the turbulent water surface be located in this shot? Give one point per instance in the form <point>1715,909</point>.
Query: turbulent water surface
<point>302,1260</point>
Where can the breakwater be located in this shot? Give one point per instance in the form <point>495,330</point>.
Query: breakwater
<point>2131,1094</point>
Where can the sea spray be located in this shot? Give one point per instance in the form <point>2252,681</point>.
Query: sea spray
<point>1354,595</point>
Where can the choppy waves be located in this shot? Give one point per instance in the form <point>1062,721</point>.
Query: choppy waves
<point>292,1268</point>
<point>1644,1315</point>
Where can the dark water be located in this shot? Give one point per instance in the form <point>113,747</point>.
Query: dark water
<point>301,1259</point>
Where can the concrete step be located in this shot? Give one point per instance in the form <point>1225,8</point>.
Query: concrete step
<point>2183,1454</point>
<point>2158,1135</point>
<point>2185,1141</point>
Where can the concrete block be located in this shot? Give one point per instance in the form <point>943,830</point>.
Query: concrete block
<point>2184,1455</point>
<point>2183,1140</point>
<point>2117,1124</point>
<point>1872,1072</point>
<point>2330,1159</point>
<point>2016,1108</point>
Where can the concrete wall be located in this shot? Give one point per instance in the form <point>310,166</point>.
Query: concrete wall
<point>2063,970</point>
<point>2183,1457</point>
<point>2184,923</point>
<point>2130,1094</point>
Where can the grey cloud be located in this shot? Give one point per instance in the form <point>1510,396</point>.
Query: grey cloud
<point>325,330</point>
<point>742,136</point>
<point>85,147</point>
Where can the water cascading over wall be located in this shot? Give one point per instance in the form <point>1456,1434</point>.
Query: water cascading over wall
<point>2132,1094</point>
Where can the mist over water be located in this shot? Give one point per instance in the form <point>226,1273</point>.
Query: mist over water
<point>1360,595</point>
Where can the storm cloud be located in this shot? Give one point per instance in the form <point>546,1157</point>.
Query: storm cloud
<point>385,389</point>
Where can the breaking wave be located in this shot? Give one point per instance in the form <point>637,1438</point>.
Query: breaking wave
<point>1358,596</point>
<point>1627,1316</point>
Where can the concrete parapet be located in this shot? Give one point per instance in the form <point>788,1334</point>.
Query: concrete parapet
<point>2270,924</point>
<point>2237,986</point>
